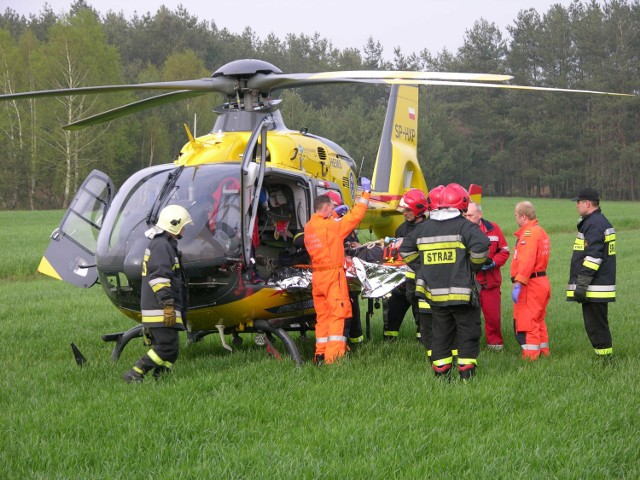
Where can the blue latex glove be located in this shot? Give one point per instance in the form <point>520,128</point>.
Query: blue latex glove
<point>515,293</point>
<point>488,266</point>
<point>365,183</point>
<point>341,209</point>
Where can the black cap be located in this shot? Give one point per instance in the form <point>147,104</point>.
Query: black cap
<point>588,193</point>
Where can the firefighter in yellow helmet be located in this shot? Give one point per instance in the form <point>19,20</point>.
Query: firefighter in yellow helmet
<point>163,294</point>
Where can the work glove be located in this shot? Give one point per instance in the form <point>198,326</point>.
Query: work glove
<point>515,293</point>
<point>580,293</point>
<point>169,314</point>
<point>488,266</point>
<point>341,210</point>
<point>365,183</point>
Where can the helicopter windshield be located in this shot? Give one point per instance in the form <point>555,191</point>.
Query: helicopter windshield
<point>211,195</point>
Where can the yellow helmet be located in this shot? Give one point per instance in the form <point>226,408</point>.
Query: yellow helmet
<point>173,218</point>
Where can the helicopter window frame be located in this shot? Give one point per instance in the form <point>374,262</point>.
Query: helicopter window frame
<point>86,215</point>
<point>298,194</point>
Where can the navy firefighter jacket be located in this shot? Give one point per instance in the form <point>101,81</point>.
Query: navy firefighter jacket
<point>163,279</point>
<point>594,256</point>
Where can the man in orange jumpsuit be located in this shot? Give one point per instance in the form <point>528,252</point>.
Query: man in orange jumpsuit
<point>531,289</point>
<point>324,236</point>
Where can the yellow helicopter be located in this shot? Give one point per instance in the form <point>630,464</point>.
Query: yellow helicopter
<point>249,185</point>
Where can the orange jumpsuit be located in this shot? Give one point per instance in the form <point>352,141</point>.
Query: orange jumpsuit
<point>324,240</point>
<point>529,265</point>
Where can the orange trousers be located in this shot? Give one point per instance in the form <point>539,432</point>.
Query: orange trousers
<point>331,302</point>
<point>529,316</point>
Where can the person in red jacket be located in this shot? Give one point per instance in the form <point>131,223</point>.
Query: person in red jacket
<point>324,236</point>
<point>490,277</point>
<point>531,289</point>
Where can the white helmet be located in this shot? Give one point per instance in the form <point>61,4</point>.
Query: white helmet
<point>173,218</point>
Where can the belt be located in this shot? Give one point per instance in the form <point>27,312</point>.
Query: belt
<point>533,275</point>
<point>326,269</point>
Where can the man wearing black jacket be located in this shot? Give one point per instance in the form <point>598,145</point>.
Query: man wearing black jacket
<point>592,278</point>
<point>163,294</point>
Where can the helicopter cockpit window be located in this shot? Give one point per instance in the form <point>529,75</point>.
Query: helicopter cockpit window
<point>211,195</point>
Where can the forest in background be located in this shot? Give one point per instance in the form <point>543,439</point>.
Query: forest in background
<point>513,143</point>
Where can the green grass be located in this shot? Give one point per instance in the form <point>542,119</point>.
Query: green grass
<point>378,414</point>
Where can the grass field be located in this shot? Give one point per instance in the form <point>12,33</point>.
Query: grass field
<point>378,414</point>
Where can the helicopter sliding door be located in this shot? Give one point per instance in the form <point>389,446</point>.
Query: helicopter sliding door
<point>70,255</point>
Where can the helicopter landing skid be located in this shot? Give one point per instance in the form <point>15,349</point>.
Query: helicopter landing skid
<point>122,339</point>
<point>282,335</point>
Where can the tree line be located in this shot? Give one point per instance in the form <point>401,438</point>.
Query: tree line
<point>513,143</point>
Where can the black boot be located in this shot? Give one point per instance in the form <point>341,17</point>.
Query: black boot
<point>133,376</point>
<point>467,372</point>
<point>318,360</point>
<point>443,372</point>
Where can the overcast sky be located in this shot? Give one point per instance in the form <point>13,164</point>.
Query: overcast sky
<point>412,25</point>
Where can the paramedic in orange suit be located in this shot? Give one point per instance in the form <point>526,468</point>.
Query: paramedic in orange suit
<point>531,289</point>
<point>324,236</point>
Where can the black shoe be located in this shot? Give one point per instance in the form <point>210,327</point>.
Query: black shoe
<point>131,376</point>
<point>318,360</point>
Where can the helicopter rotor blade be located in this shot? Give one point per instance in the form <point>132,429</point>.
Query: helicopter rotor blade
<point>268,82</point>
<point>133,107</point>
<point>257,79</point>
<point>263,82</point>
<point>505,86</point>
<point>184,94</point>
<point>218,84</point>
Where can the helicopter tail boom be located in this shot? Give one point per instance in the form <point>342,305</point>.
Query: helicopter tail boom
<point>397,168</point>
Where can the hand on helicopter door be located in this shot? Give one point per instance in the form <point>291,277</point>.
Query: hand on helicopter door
<point>169,313</point>
<point>365,183</point>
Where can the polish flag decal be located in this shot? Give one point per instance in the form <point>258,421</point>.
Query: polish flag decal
<point>412,114</point>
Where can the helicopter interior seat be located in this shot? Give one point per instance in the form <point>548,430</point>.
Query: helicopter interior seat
<point>278,222</point>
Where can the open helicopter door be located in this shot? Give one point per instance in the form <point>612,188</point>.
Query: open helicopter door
<point>71,254</point>
<point>253,167</point>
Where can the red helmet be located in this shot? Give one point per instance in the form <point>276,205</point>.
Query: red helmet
<point>334,196</point>
<point>433,201</point>
<point>454,196</point>
<point>415,200</point>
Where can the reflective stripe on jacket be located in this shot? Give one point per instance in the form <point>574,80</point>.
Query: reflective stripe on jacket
<point>450,251</point>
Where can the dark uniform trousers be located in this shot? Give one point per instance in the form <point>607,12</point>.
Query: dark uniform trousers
<point>596,324</point>
<point>455,326</point>
<point>394,309</point>
<point>353,325</point>
<point>165,343</point>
